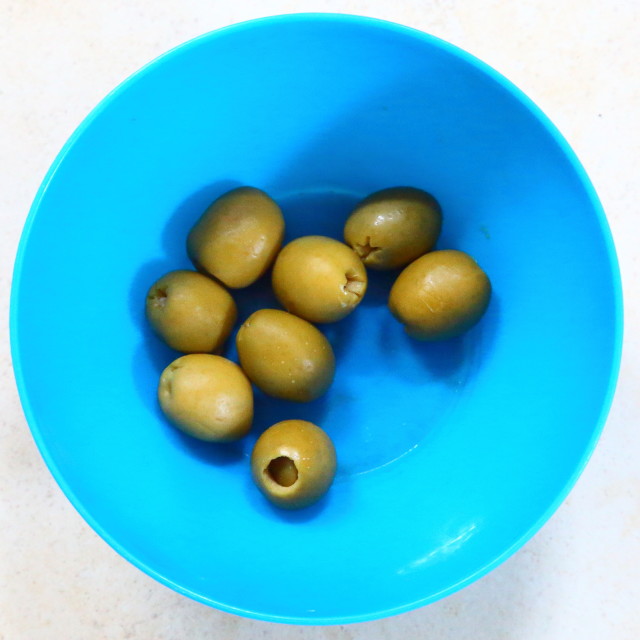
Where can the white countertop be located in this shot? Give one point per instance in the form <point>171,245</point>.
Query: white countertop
<point>580,576</point>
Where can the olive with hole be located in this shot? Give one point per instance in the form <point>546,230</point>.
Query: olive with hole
<point>392,227</point>
<point>293,463</point>
<point>319,279</point>
<point>237,238</point>
<point>440,295</point>
<point>285,356</point>
<point>190,312</point>
<point>207,396</point>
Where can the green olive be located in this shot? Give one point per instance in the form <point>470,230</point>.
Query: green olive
<point>190,312</point>
<point>207,396</point>
<point>319,279</point>
<point>440,295</point>
<point>237,237</point>
<point>293,463</point>
<point>391,228</point>
<point>285,356</point>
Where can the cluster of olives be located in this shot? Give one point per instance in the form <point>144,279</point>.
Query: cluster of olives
<point>317,279</point>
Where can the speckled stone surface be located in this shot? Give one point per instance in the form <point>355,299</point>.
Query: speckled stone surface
<point>580,576</point>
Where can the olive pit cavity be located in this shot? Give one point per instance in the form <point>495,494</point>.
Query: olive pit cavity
<point>283,471</point>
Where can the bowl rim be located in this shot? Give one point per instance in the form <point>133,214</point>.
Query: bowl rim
<point>365,22</point>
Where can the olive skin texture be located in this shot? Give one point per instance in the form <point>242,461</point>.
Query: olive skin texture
<point>293,463</point>
<point>285,356</point>
<point>190,312</point>
<point>392,227</point>
<point>207,396</point>
<point>440,295</point>
<point>319,279</point>
<point>237,237</point>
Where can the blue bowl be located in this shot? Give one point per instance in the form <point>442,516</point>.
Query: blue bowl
<point>452,454</point>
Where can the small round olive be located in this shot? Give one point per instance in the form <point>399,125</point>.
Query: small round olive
<point>440,295</point>
<point>319,279</point>
<point>207,396</point>
<point>285,356</point>
<point>293,463</point>
<point>190,312</point>
<point>237,237</point>
<point>391,228</point>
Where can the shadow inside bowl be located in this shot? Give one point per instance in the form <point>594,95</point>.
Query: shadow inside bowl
<point>174,238</point>
<point>293,516</point>
<point>445,360</point>
<point>150,359</point>
<point>174,235</point>
<point>269,411</point>
<point>218,453</point>
<point>452,360</point>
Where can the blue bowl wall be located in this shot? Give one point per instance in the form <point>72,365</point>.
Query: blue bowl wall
<point>451,454</point>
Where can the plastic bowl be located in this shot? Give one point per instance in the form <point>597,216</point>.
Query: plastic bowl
<point>451,455</point>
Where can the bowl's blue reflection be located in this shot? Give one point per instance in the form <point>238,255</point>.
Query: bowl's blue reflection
<point>451,454</point>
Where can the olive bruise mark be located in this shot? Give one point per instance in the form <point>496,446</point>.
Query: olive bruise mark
<point>158,297</point>
<point>169,375</point>
<point>167,385</point>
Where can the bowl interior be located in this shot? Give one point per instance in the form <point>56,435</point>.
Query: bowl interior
<point>451,454</point>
